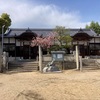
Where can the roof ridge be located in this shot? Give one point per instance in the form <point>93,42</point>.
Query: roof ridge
<point>32,28</point>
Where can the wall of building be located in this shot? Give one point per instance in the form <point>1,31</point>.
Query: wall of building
<point>18,43</point>
<point>85,43</point>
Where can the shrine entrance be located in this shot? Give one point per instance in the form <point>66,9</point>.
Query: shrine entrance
<point>82,40</point>
<point>29,52</point>
<point>26,51</point>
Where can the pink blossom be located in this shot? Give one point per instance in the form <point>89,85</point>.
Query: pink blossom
<point>43,41</point>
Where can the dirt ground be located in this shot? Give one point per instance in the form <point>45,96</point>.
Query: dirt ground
<point>68,85</point>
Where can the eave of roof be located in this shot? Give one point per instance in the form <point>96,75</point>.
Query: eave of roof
<point>11,32</point>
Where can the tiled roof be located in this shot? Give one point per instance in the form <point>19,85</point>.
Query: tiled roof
<point>18,31</point>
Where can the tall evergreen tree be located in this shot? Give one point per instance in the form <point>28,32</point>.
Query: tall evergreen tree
<point>94,26</point>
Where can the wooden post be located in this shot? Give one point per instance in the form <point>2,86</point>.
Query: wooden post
<point>40,59</point>
<point>15,46</point>
<point>77,58</point>
<point>80,58</point>
<point>29,50</point>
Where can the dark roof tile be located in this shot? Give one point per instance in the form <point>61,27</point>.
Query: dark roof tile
<point>18,31</point>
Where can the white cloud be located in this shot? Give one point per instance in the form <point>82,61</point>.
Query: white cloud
<point>26,14</point>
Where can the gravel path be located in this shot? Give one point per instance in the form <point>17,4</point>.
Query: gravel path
<point>69,85</point>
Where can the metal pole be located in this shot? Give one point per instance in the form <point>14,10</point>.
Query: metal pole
<point>2,37</point>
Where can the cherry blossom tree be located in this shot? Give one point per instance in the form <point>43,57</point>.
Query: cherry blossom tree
<point>45,42</point>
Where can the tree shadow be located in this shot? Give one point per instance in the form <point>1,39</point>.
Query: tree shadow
<point>28,95</point>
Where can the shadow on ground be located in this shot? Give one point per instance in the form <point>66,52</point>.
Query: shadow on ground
<point>28,95</point>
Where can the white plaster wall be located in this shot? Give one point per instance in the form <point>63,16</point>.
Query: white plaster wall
<point>81,42</point>
<point>17,43</point>
<point>12,40</point>
<point>97,40</point>
<point>26,42</point>
<point>92,40</point>
<point>74,43</point>
<point>5,40</point>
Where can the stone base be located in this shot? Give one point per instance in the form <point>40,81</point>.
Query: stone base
<point>51,69</point>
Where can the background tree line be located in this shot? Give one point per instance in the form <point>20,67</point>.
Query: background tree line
<point>94,26</point>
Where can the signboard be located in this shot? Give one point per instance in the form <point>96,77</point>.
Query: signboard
<point>58,55</point>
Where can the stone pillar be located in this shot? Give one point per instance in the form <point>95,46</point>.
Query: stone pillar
<point>4,66</point>
<point>40,59</point>
<point>0,57</point>
<point>80,58</point>
<point>4,59</point>
<point>77,58</point>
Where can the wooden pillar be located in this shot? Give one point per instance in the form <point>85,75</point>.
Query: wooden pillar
<point>89,47</point>
<point>23,49</point>
<point>20,49</point>
<point>72,46</point>
<point>77,58</point>
<point>94,43</point>
<point>94,47</point>
<point>80,58</point>
<point>15,46</point>
<point>29,51</point>
<point>8,43</point>
<point>40,59</point>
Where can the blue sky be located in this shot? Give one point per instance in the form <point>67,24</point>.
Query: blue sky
<point>50,13</point>
<point>88,9</point>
